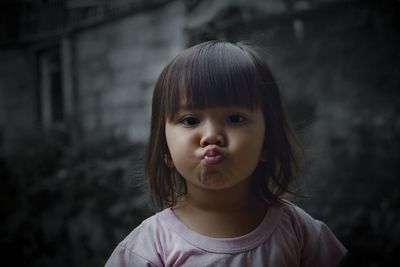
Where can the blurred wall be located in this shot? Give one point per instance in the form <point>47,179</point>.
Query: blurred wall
<point>116,66</point>
<point>90,80</point>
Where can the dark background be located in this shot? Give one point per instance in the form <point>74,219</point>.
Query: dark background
<point>67,200</point>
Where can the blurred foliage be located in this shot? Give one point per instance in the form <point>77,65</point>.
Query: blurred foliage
<point>69,205</point>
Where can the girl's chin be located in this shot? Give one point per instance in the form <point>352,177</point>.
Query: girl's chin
<point>213,179</point>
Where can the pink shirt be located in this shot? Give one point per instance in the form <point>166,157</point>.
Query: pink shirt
<point>287,236</point>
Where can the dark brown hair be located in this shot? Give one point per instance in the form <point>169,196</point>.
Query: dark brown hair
<point>220,73</point>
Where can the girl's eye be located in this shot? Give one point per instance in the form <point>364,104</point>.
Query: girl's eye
<point>235,118</point>
<point>190,121</point>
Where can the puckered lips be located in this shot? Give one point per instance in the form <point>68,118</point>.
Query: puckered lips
<point>213,156</point>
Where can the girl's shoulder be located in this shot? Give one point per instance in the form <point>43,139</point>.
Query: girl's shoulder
<point>142,245</point>
<point>298,216</point>
<point>317,243</point>
<point>296,220</point>
<point>149,228</point>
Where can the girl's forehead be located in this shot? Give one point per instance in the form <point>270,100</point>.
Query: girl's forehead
<point>184,105</point>
<point>215,102</point>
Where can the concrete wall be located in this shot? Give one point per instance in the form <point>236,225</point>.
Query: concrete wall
<point>116,66</point>
<point>108,75</point>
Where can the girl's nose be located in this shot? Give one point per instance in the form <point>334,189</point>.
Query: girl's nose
<point>213,135</point>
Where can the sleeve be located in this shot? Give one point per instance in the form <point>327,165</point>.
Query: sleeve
<point>326,250</point>
<point>123,257</point>
<point>318,246</point>
<point>142,247</point>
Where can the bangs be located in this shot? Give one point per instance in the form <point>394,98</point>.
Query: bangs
<point>212,74</point>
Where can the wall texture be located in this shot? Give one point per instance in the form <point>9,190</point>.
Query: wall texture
<point>116,67</point>
<point>108,71</point>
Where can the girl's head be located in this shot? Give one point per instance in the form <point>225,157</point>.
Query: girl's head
<point>218,74</point>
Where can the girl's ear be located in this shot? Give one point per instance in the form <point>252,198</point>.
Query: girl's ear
<point>168,161</point>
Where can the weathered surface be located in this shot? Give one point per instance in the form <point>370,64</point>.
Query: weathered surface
<point>116,68</point>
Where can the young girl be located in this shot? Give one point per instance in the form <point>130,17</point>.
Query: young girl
<point>221,156</point>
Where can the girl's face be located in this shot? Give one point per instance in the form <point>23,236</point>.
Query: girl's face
<point>215,148</point>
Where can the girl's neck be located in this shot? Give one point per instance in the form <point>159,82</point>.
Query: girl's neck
<point>222,213</point>
<point>228,200</point>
